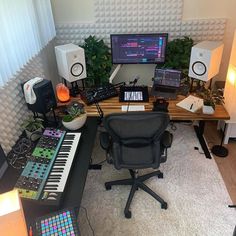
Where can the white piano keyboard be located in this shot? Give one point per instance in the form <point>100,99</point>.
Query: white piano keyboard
<point>59,173</point>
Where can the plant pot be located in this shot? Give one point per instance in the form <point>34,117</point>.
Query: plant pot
<point>208,110</point>
<point>35,135</point>
<point>77,123</point>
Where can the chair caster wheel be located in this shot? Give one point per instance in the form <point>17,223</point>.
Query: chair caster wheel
<point>128,214</point>
<point>160,176</point>
<point>107,186</point>
<point>164,205</point>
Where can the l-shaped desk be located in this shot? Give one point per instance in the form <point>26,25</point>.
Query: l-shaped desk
<point>74,190</point>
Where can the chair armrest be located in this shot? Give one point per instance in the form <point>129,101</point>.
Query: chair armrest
<point>166,139</point>
<point>105,141</point>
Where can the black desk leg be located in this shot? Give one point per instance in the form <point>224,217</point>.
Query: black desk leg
<point>199,130</point>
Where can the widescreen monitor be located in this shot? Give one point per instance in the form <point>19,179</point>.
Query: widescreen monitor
<point>138,48</point>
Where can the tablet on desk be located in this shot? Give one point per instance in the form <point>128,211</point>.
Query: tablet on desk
<point>134,94</point>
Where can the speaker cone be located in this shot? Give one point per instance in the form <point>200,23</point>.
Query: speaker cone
<point>77,69</point>
<point>199,68</point>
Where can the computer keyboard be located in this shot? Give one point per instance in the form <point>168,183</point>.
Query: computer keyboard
<point>93,95</point>
<point>165,89</point>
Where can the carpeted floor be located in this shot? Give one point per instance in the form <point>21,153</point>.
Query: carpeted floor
<point>192,186</point>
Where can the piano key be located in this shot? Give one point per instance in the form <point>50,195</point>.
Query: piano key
<point>51,185</point>
<point>67,142</point>
<point>60,164</point>
<point>50,188</point>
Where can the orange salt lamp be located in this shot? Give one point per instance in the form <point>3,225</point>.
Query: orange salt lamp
<point>63,93</point>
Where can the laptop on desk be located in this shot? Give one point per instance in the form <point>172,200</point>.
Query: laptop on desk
<point>166,83</point>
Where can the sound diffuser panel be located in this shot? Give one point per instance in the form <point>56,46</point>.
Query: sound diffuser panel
<point>140,16</point>
<point>14,110</point>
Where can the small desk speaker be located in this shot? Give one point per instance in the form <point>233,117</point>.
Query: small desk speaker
<point>45,97</point>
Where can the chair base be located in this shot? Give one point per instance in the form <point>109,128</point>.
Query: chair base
<point>137,182</point>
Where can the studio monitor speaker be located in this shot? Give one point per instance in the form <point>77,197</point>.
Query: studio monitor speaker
<point>205,60</point>
<point>71,62</point>
<point>45,97</point>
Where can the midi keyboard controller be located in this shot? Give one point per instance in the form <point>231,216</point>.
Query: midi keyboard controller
<point>45,174</point>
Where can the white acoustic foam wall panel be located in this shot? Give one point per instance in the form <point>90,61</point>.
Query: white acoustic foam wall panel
<point>13,109</point>
<point>140,16</point>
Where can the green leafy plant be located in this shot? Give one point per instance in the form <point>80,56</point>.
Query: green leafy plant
<point>32,124</point>
<point>98,61</point>
<point>74,110</point>
<point>178,53</point>
<point>211,97</point>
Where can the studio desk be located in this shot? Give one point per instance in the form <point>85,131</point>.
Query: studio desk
<point>112,105</point>
<point>76,182</point>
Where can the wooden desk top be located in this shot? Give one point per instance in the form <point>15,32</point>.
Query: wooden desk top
<point>112,105</point>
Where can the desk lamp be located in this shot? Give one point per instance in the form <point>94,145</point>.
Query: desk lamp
<point>12,220</point>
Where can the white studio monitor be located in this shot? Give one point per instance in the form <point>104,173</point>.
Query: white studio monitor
<point>205,60</point>
<point>71,62</point>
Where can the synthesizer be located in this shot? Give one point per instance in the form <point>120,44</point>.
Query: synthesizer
<point>47,170</point>
<point>93,95</point>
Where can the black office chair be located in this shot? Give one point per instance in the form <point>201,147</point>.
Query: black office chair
<point>136,140</point>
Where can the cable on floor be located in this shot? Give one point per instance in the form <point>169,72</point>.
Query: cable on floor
<point>86,214</point>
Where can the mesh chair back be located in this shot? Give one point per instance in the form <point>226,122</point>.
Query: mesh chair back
<point>136,138</point>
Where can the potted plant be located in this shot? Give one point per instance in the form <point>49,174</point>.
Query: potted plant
<point>98,61</point>
<point>33,127</point>
<point>211,98</point>
<point>75,117</point>
<point>178,53</point>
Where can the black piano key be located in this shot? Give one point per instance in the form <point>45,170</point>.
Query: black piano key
<point>50,188</point>
<point>59,164</point>
<point>62,155</point>
<point>65,149</point>
<point>53,180</point>
<point>51,185</point>
<point>54,169</point>
<point>55,176</point>
<point>67,142</point>
<point>69,137</point>
<point>57,171</point>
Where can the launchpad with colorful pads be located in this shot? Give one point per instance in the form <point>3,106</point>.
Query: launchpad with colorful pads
<point>60,223</point>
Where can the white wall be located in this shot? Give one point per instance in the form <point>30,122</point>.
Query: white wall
<point>73,10</point>
<point>77,11</point>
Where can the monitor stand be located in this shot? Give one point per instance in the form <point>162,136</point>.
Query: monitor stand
<point>113,74</point>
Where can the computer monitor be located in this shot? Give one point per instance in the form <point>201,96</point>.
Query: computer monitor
<point>138,48</point>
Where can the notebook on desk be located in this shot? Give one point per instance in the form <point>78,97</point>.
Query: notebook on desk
<point>191,103</point>
<point>166,83</point>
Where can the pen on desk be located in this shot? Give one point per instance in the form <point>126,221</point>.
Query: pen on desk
<point>191,106</point>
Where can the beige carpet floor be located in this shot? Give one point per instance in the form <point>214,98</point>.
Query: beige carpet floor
<point>192,186</point>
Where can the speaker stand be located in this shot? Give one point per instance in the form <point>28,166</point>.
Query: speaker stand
<point>220,150</point>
